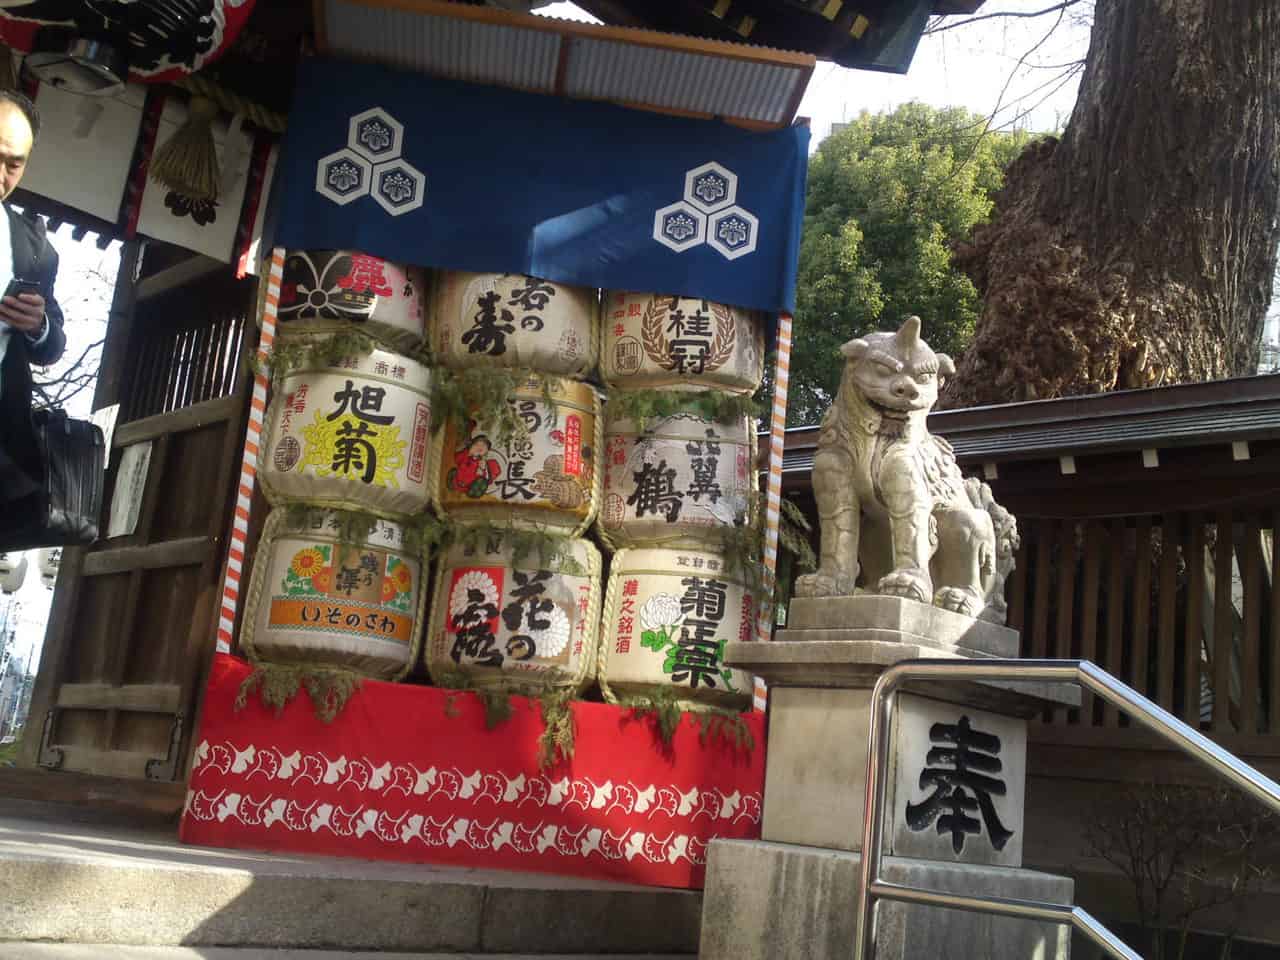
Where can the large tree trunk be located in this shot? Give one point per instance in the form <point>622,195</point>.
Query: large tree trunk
<point>1139,249</point>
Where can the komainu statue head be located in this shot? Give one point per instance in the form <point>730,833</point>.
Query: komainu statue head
<point>897,374</point>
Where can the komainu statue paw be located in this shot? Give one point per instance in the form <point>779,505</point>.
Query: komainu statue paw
<point>824,585</point>
<point>908,583</point>
<point>959,600</point>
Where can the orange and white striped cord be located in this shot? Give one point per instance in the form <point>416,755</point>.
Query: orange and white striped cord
<point>239,539</point>
<point>773,488</point>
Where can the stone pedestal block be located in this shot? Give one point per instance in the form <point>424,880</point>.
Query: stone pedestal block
<point>816,776</point>
<point>773,901</point>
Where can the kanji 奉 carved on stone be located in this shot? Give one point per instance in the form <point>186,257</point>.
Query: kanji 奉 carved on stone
<point>892,503</point>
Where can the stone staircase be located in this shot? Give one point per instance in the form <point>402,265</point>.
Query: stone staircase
<point>74,887</point>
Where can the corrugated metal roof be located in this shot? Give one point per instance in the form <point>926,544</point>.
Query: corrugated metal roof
<point>742,83</point>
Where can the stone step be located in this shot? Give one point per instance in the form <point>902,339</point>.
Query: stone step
<point>65,881</point>
<point>102,951</point>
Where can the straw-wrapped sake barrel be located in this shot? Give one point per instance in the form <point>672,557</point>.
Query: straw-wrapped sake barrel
<point>327,290</point>
<point>685,480</point>
<point>319,601</point>
<point>522,624</point>
<point>545,476</point>
<point>650,340</point>
<point>512,320</point>
<point>353,435</point>
<point>668,614</point>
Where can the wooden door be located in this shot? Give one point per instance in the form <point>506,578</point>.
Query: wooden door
<point>131,633</point>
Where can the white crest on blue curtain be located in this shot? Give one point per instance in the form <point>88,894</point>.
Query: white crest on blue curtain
<point>708,214</point>
<point>371,166</point>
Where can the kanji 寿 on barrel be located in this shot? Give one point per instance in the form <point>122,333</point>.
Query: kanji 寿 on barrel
<point>514,321</point>
<point>323,596</point>
<point>683,479</point>
<point>328,291</point>
<point>668,615</point>
<point>349,430</point>
<point>542,472</point>
<point>519,622</point>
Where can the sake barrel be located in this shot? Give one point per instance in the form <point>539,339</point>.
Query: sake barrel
<point>684,480</point>
<point>512,320</point>
<point>650,340</point>
<point>521,624</point>
<point>317,600</point>
<point>327,290</point>
<point>353,435</point>
<point>668,614</point>
<point>545,476</point>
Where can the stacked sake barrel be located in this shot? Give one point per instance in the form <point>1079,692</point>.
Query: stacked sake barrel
<point>677,496</point>
<point>340,582</point>
<point>517,598</point>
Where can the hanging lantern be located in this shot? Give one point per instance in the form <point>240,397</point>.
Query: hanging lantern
<point>84,46</point>
<point>11,580</point>
<point>48,559</point>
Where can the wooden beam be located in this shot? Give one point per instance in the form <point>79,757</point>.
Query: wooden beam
<point>141,697</point>
<point>185,272</point>
<point>194,417</point>
<point>187,552</point>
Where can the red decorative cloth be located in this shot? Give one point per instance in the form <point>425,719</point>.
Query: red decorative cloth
<point>412,773</point>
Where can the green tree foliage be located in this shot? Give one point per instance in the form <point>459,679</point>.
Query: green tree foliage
<point>887,195</point>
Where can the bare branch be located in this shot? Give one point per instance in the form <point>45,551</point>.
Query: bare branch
<point>952,24</point>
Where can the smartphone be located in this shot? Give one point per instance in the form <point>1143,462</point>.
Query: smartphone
<point>18,285</point>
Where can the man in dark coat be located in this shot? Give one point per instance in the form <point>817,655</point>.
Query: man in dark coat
<point>31,322</point>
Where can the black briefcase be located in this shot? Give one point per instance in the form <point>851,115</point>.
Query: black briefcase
<point>64,510</point>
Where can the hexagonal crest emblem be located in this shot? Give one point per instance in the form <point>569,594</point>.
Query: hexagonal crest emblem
<point>399,187</point>
<point>711,187</point>
<point>376,135</point>
<point>733,232</point>
<point>679,226</point>
<point>343,176</point>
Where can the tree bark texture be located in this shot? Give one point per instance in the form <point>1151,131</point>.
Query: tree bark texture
<point>1139,249</point>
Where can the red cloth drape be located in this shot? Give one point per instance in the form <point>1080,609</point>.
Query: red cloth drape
<point>412,773</point>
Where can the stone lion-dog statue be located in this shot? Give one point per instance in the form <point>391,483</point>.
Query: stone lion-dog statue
<point>892,503</point>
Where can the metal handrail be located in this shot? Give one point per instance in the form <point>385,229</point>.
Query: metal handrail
<point>1088,675</point>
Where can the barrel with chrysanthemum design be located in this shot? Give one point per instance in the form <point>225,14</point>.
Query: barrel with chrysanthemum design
<point>335,591</point>
<point>515,615</point>
<point>348,430</point>
<point>668,614</point>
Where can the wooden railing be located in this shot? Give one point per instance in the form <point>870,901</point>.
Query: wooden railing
<point>1181,607</point>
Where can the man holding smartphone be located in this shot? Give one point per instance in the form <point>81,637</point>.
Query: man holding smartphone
<point>30,320</point>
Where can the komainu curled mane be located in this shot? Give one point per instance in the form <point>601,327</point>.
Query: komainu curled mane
<point>892,503</point>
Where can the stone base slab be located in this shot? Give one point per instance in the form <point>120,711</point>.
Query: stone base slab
<point>773,901</point>
<point>873,617</point>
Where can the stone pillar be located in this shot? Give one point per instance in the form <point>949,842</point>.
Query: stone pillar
<point>955,798</point>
